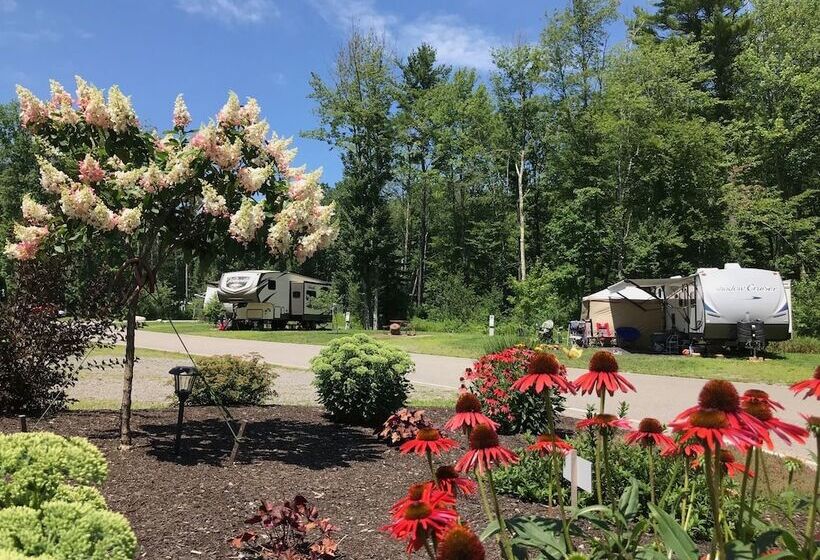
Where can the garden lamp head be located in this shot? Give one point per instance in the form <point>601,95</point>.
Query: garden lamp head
<point>184,379</point>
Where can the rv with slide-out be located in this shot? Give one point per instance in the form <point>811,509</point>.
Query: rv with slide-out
<point>272,299</point>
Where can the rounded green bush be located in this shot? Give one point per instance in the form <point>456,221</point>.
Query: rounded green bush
<point>34,465</point>
<point>361,380</point>
<point>81,495</point>
<point>245,380</point>
<point>14,555</point>
<point>20,530</point>
<point>81,532</point>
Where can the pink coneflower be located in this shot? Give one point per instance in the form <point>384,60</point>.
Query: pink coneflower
<point>450,481</point>
<point>811,385</point>
<point>549,443</point>
<point>718,412</point>
<point>468,414</point>
<point>784,430</point>
<point>604,421</point>
<point>759,396</point>
<point>544,372</point>
<point>650,434</point>
<point>460,543</point>
<point>603,376</point>
<point>729,464</point>
<point>416,520</point>
<point>485,451</point>
<point>428,440</point>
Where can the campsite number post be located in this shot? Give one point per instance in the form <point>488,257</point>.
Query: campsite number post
<point>492,325</point>
<point>578,471</point>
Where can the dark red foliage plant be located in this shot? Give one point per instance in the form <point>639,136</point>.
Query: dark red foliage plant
<point>291,530</point>
<point>48,323</point>
<point>403,425</point>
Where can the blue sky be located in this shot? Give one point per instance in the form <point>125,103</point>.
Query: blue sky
<point>155,49</point>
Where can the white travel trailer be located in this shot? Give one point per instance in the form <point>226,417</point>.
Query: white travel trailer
<point>729,306</point>
<point>269,298</point>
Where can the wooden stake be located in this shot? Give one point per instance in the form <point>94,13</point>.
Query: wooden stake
<point>240,436</point>
<point>23,423</point>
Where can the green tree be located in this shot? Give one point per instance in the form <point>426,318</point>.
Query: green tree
<point>355,109</point>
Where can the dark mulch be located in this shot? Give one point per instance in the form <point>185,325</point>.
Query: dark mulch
<point>187,508</point>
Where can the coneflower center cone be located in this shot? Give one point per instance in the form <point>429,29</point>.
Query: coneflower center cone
<point>759,410</point>
<point>603,361</point>
<point>483,437</point>
<point>428,434</point>
<point>715,419</point>
<point>650,426</point>
<point>719,395</point>
<point>468,402</point>
<point>445,472</point>
<point>544,363</point>
<point>418,510</point>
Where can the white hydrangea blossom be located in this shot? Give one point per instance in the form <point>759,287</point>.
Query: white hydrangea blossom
<point>120,110</point>
<point>51,179</point>
<point>34,212</point>
<point>213,203</point>
<point>129,220</point>
<point>182,117</point>
<point>252,178</point>
<point>247,220</point>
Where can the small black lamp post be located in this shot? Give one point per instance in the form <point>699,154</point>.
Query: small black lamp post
<point>184,378</point>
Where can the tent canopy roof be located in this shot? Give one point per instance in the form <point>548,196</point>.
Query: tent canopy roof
<point>637,289</point>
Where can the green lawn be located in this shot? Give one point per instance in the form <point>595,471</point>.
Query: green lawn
<point>785,368</point>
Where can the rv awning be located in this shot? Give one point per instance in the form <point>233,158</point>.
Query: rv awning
<point>620,291</point>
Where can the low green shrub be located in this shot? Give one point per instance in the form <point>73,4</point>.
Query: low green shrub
<point>35,466</point>
<point>361,380</point>
<point>245,380</point>
<point>212,311</point>
<point>49,508</point>
<point>797,345</point>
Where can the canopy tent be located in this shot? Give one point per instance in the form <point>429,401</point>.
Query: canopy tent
<point>626,305</point>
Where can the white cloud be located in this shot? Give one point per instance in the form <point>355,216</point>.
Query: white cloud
<point>230,11</point>
<point>8,5</point>
<point>455,41</point>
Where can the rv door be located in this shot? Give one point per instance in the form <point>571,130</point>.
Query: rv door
<point>297,299</point>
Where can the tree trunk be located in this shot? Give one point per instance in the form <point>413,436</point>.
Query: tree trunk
<point>128,373</point>
<point>519,169</point>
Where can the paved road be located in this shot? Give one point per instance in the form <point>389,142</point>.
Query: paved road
<point>657,395</point>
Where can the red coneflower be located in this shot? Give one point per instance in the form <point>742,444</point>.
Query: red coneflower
<point>812,423</point>
<point>468,414</point>
<point>784,430</point>
<point>683,449</point>
<point>603,376</point>
<point>414,494</point>
<point>485,451</point>
<point>549,443</point>
<point>544,372</point>
<point>759,396</point>
<point>729,464</point>
<point>460,543</point>
<point>417,520</point>
<point>450,481</point>
<point>604,421</point>
<point>811,385</point>
<point>428,440</point>
<point>718,415</point>
<point>650,434</point>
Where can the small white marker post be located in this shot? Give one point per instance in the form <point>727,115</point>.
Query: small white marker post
<point>579,473</point>
<point>492,325</point>
<point>347,320</point>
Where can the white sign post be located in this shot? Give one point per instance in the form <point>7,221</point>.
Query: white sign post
<point>579,473</point>
<point>347,320</point>
<point>492,325</point>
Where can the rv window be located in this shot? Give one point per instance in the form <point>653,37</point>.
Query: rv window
<point>310,293</point>
<point>272,285</point>
<point>297,295</point>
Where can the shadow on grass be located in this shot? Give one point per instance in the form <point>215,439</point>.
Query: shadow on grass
<point>311,445</point>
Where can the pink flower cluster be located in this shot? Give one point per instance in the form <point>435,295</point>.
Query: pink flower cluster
<point>91,171</point>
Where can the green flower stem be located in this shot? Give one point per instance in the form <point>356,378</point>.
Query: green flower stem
<point>432,469</point>
<point>742,512</point>
<point>717,527</point>
<point>753,493</point>
<point>506,544</point>
<point>607,474</point>
<point>556,476</point>
<point>765,471</point>
<point>485,503</point>
<point>429,550</point>
<point>651,451</point>
<point>685,486</point>
<point>813,513</point>
<point>598,466</point>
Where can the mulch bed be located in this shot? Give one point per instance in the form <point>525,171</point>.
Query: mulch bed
<point>187,508</point>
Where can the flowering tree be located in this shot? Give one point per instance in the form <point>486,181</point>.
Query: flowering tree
<point>103,176</point>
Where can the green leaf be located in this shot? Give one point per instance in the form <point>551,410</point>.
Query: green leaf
<point>673,535</point>
<point>630,500</point>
